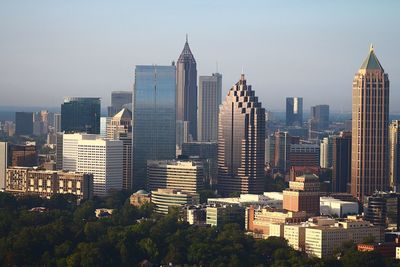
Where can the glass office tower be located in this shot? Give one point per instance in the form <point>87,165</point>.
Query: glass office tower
<point>81,115</point>
<point>154,132</point>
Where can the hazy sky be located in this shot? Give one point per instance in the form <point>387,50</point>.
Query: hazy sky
<point>52,49</point>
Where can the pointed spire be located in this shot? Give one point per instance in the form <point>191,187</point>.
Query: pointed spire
<point>186,54</point>
<point>187,38</point>
<point>371,62</point>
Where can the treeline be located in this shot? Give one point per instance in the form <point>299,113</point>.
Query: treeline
<point>70,235</point>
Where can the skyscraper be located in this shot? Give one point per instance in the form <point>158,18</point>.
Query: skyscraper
<point>119,99</point>
<point>326,152</point>
<point>210,88</point>
<point>394,153</point>
<point>294,111</point>
<point>120,128</point>
<point>320,117</point>
<point>241,141</point>
<point>57,122</point>
<point>341,162</point>
<point>370,114</point>
<point>23,123</point>
<point>186,93</point>
<point>81,114</point>
<point>154,121</point>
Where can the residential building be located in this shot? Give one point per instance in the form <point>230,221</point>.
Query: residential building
<point>241,141</point>
<point>164,199</point>
<point>186,94</point>
<point>209,99</point>
<point>154,121</point>
<point>341,163</point>
<point>81,115</point>
<point>370,124</point>
<point>45,183</point>
<point>294,111</point>
<point>23,123</point>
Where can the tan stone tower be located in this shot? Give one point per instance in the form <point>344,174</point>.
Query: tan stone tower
<point>370,115</point>
<point>241,141</point>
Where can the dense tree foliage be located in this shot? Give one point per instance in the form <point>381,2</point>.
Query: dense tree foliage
<point>70,235</point>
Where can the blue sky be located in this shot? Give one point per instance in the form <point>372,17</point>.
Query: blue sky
<point>52,49</point>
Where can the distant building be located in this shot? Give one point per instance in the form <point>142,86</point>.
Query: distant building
<point>341,163</point>
<point>207,152</point>
<point>23,123</point>
<point>81,115</point>
<point>45,183</point>
<point>104,122</point>
<point>282,142</point>
<point>119,99</point>
<point>187,175</point>
<point>304,155</point>
<point>209,99</point>
<point>164,199</point>
<point>186,94</point>
<point>154,122</point>
<point>326,152</point>
<point>294,111</point>
<point>91,154</point>
<point>370,131</point>
<point>303,195</point>
<point>270,150</point>
<point>57,122</point>
<point>241,141</point>
<point>320,117</point>
<point>394,154</point>
<point>3,164</point>
<point>22,155</point>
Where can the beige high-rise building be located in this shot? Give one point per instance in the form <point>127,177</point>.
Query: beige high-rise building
<point>394,153</point>
<point>241,141</point>
<point>120,128</point>
<point>370,115</point>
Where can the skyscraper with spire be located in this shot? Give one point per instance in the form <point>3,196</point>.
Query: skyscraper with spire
<point>241,141</point>
<point>370,115</point>
<point>186,95</point>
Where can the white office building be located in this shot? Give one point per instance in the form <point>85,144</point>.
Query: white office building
<point>92,154</point>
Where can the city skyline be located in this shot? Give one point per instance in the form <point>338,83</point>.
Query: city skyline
<point>107,55</point>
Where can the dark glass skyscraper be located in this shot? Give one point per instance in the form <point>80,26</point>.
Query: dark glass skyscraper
<point>241,141</point>
<point>186,95</point>
<point>119,99</point>
<point>23,123</point>
<point>320,117</point>
<point>81,114</point>
<point>294,111</point>
<point>341,162</point>
<point>154,119</point>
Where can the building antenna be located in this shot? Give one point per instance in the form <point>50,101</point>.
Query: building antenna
<point>186,38</point>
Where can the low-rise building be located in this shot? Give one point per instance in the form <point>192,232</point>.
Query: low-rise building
<point>387,249</point>
<point>25,180</point>
<point>259,220</point>
<point>335,207</point>
<point>321,241</point>
<point>194,214</point>
<point>139,198</point>
<point>164,199</point>
<point>218,215</point>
